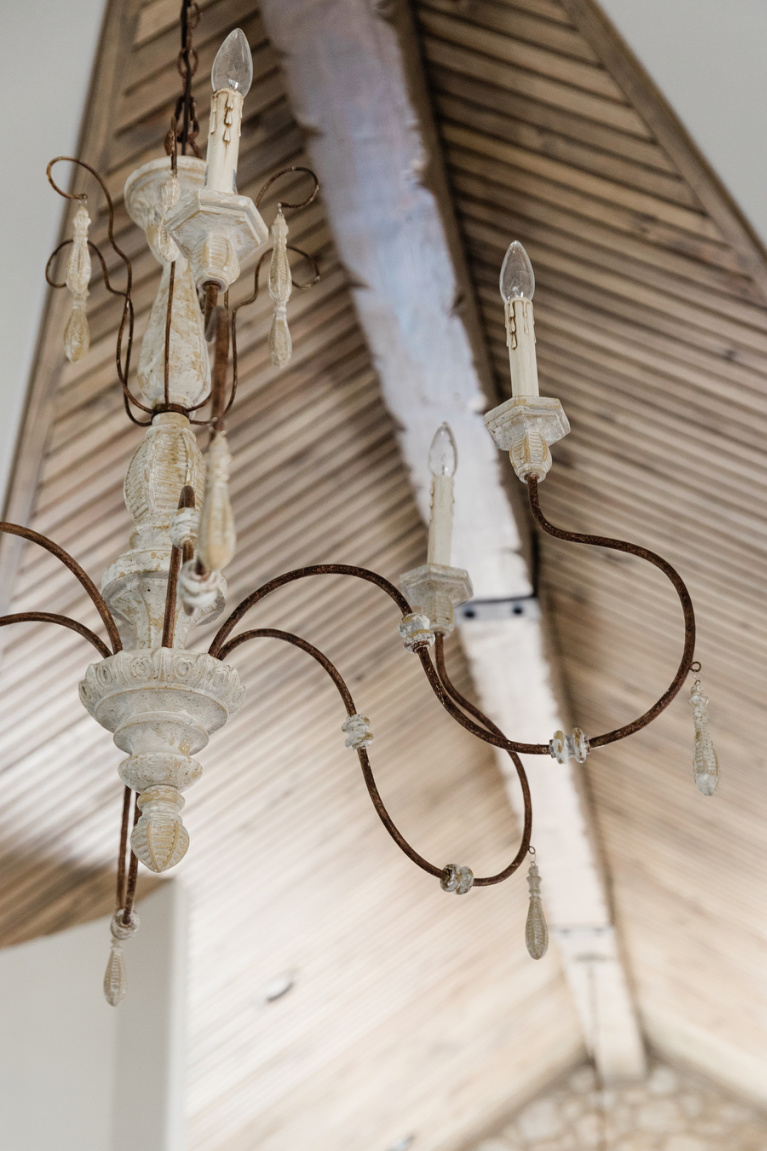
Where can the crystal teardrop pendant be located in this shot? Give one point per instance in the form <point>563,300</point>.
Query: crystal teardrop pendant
<point>280,287</point>
<point>705,762</point>
<point>536,931</point>
<point>280,342</point>
<point>77,337</point>
<point>115,983</point>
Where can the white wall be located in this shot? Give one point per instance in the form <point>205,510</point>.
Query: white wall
<point>77,1074</point>
<point>47,50</point>
<point>709,58</point>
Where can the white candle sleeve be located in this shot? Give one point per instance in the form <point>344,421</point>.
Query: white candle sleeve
<point>520,337</point>
<point>224,140</point>
<point>441,522</point>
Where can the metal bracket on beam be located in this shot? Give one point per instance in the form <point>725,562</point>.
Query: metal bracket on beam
<point>484,610</point>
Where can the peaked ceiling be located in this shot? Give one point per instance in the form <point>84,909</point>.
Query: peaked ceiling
<point>413,1013</point>
<point>654,336</point>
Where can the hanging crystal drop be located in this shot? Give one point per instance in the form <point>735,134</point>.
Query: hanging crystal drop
<point>705,762</point>
<point>280,287</point>
<point>536,931</point>
<point>115,982</point>
<point>77,338</point>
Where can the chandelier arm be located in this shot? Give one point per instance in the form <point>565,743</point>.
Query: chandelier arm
<point>454,693</point>
<point>346,696</point>
<point>120,893</point>
<point>679,586</point>
<point>439,648</point>
<point>64,621</point>
<point>493,735</point>
<point>496,738</point>
<point>122,857</point>
<point>86,581</point>
<point>230,623</point>
<point>132,877</point>
<point>367,770</point>
<point>297,641</point>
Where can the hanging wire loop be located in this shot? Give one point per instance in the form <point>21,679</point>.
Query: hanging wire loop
<point>122,358</point>
<point>285,203</point>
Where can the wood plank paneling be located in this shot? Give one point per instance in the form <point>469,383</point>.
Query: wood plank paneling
<point>408,1006</point>
<point>651,328</point>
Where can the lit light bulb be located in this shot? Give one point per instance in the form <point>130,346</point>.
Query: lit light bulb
<point>517,277</point>
<point>443,454</point>
<point>233,66</point>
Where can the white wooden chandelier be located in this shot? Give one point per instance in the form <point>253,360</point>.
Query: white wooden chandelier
<point>163,701</point>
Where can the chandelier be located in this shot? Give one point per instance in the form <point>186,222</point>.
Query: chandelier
<point>162,700</point>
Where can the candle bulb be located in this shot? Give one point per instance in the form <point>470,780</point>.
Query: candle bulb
<point>517,285</point>
<point>443,460</point>
<point>231,78</point>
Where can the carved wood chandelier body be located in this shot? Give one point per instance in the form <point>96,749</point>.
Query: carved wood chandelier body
<point>163,701</point>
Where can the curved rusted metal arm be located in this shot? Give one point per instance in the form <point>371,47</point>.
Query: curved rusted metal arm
<point>454,693</point>
<point>496,738</point>
<point>679,586</point>
<point>490,733</point>
<point>367,771</point>
<point>86,581</point>
<point>250,601</point>
<point>64,621</point>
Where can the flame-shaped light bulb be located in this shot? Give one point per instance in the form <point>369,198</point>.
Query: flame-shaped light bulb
<point>233,66</point>
<point>517,277</point>
<point>443,454</point>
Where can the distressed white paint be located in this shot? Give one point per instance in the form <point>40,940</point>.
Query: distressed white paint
<point>348,85</point>
<point>89,1063</point>
<point>46,52</point>
<point>346,81</point>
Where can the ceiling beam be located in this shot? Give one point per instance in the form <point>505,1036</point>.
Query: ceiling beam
<point>357,88</point>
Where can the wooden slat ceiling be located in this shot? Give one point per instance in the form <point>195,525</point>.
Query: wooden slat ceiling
<point>655,340</point>
<point>412,1012</point>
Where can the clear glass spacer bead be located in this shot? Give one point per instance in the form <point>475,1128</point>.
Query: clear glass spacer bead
<point>457,879</point>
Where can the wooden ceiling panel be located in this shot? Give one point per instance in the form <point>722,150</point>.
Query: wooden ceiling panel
<point>652,330</point>
<point>412,1012</point>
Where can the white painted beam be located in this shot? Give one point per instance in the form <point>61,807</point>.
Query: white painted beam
<point>375,152</point>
